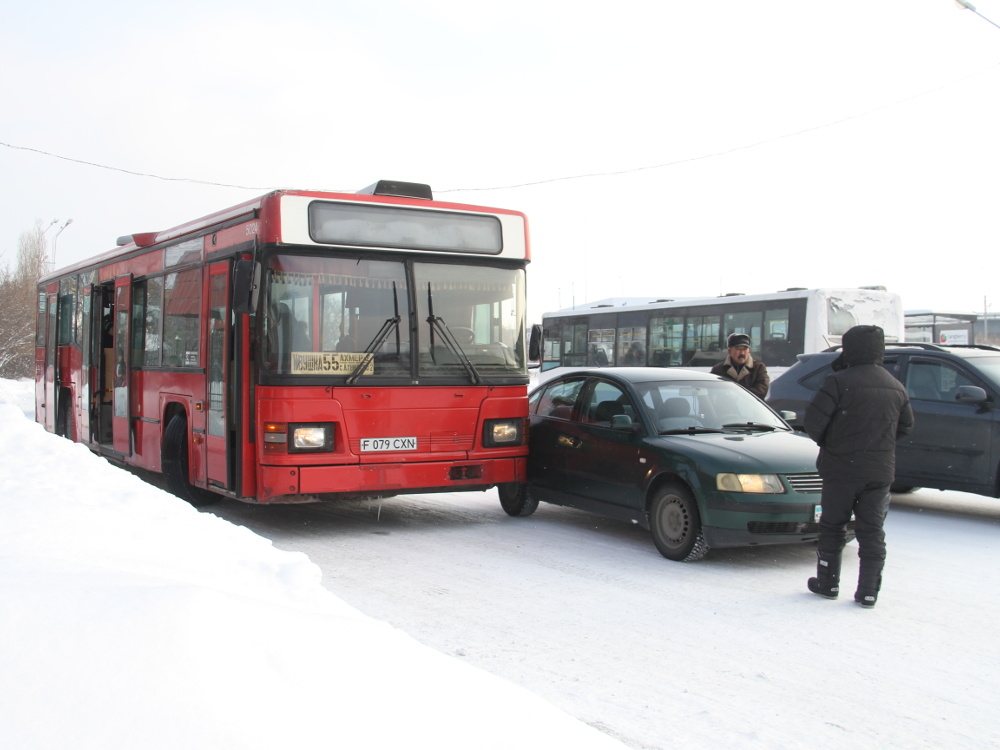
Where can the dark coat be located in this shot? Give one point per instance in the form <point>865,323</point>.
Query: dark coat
<point>753,376</point>
<point>858,412</point>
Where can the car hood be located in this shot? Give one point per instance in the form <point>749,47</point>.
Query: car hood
<point>745,453</point>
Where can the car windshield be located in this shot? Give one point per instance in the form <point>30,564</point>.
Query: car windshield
<point>690,406</point>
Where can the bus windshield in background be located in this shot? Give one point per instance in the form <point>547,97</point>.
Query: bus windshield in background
<point>396,227</point>
<point>323,314</point>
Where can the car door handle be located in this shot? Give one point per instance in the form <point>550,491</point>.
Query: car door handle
<point>568,441</point>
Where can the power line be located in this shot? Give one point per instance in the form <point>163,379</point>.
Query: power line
<point>547,181</point>
<point>129,171</point>
<point>733,150</point>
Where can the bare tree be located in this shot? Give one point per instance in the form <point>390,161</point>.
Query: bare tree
<point>18,300</point>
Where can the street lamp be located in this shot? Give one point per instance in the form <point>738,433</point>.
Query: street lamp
<point>966,5</point>
<point>55,237</point>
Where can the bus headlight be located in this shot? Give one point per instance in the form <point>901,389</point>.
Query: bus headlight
<point>759,483</point>
<point>310,438</point>
<point>498,433</point>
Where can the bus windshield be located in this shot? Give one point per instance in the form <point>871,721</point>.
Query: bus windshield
<point>351,317</point>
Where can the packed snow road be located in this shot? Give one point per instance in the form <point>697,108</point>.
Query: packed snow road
<point>584,612</point>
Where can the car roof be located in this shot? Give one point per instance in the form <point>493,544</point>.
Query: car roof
<point>967,351</point>
<point>962,350</point>
<point>638,374</point>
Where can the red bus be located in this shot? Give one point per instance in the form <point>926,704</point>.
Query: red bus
<point>300,346</point>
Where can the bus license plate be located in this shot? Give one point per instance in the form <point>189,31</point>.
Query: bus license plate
<point>389,444</point>
<point>818,513</point>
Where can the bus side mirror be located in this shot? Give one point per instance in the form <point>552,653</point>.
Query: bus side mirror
<point>246,286</point>
<point>535,343</point>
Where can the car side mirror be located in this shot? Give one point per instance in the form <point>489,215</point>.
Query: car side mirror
<point>788,416</point>
<point>971,394</point>
<point>621,422</point>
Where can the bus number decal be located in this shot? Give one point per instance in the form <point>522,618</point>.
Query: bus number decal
<point>389,444</point>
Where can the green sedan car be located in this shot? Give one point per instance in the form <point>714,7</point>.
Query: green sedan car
<point>696,459</point>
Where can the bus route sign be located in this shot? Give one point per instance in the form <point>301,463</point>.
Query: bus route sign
<point>328,363</point>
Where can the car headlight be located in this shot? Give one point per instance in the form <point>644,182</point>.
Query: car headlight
<point>499,433</point>
<point>759,483</point>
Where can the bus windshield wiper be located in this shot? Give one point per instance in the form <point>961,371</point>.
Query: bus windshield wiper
<point>390,325</point>
<point>437,324</point>
<point>383,333</point>
<point>750,427</point>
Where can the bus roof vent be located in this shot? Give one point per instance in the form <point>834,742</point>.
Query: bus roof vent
<point>594,307</point>
<point>794,289</point>
<point>733,294</point>
<point>399,189</point>
<point>878,288</point>
<point>653,302</point>
<point>142,239</point>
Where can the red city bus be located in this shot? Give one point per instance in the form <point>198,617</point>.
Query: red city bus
<point>301,346</point>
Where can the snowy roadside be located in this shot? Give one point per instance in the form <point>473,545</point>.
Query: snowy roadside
<point>131,620</point>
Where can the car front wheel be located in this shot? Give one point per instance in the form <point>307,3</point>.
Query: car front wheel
<point>676,524</point>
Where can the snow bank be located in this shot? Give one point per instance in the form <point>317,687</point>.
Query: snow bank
<point>131,620</point>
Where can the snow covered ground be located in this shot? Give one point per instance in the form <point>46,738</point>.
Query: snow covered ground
<point>130,620</point>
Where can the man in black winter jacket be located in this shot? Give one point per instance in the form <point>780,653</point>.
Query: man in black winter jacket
<point>855,417</point>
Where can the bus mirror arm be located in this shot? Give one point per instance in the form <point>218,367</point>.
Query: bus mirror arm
<point>246,286</point>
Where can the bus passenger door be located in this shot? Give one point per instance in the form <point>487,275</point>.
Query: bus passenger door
<point>50,376</point>
<point>219,396</point>
<point>121,420</point>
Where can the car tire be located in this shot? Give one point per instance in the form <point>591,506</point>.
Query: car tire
<point>175,465</point>
<point>515,499</point>
<point>675,524</point>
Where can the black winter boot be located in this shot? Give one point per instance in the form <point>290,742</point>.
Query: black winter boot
<point>827,580</point>
<point>869,583</point>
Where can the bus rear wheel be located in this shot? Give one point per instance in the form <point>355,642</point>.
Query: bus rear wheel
<point>175,465</point>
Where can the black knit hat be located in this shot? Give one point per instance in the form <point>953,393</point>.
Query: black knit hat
<point>737,339</point>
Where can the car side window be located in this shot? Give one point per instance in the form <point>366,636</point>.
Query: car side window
<point>814,380</point>
<point>558,399</point>
<point>605,401</point>
<point>934,381</point>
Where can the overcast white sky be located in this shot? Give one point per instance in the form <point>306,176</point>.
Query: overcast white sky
<point>732,146</point>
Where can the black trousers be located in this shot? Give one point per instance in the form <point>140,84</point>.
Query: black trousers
<point>869,502</point>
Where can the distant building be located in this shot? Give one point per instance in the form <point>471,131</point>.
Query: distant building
<point>933,327</point>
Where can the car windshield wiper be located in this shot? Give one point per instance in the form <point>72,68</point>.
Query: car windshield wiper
<point>437,324</point>
<point>750,427</point>
<point>691,431</point>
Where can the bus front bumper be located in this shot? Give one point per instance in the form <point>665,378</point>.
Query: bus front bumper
<point>308,483</point>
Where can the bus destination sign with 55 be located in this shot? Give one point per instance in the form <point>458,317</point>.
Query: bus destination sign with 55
<point>319,363</point>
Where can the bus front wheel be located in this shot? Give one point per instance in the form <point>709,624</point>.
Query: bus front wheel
<point>515,499</point>
<point>175,465</point>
